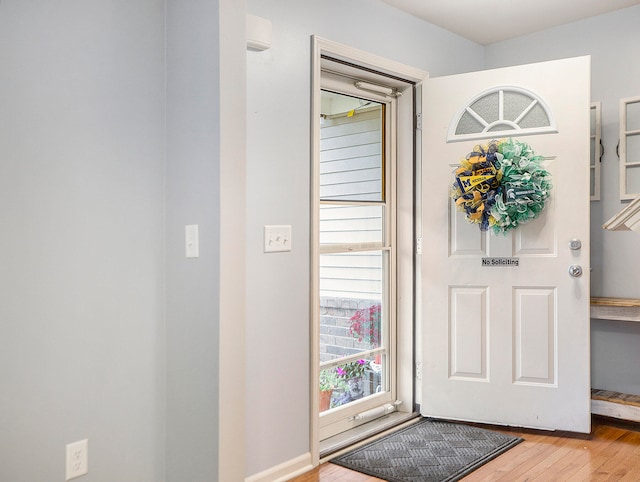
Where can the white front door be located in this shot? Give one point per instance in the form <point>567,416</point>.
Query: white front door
<point>508,344</point>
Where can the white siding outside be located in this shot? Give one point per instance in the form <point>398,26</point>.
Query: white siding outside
<point>351,153</point>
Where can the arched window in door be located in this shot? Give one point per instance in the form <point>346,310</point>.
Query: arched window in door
<point>500,112</point>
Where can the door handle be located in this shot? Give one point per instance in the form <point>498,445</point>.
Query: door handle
<point>575,271</point>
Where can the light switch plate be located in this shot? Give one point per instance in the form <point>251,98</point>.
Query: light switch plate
<point>277,238</point>
<point>192,244</point>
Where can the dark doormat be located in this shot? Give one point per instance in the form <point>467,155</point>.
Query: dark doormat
<point>428,451</point>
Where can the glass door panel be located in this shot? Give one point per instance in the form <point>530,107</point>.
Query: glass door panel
<point>353,326</point>
<point>351,225</point>
<point>355,265</point>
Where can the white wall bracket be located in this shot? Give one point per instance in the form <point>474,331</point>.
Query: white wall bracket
<point>259,32</point>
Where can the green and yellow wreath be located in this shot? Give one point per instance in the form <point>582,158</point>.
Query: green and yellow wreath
<point>501,185</point>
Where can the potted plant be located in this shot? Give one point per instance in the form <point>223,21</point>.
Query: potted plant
<point>330,380</point>
<point>354,369</point>
<point>352,373</point>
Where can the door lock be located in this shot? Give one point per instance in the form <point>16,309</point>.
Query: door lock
<point>575,244</point>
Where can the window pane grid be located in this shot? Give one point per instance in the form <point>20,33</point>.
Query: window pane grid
<point>501,110</point>
<point>351,148</point>
<point>630,147</point>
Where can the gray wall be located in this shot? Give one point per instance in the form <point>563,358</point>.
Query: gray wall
<point>278,193</point>
<point>612,42</point>
<point>193,190</point>
<point>88,234</point>
<point>81,229</point>
<point>205,185</point>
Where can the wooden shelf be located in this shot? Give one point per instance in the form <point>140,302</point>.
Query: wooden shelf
<point>615,404</point>
<point>623,309</point>
<point>606,402</point>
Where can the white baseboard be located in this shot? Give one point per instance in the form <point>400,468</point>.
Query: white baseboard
<point>285,471</point>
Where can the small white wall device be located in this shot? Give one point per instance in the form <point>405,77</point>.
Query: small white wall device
<point>258,33</point>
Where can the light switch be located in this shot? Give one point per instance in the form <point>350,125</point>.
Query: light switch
<point>191,241</point>
<point>277,238</point>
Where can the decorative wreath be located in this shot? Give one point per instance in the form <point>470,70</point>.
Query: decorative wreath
<point>501,185</point>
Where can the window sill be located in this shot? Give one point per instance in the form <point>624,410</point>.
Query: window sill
<point>334,446</point>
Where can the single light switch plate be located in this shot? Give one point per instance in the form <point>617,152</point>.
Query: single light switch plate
<point>77,459</point>
<point>277,238</point>
<point>192,244</point>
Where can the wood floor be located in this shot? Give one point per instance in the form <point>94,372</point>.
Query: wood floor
<point>611,452</point>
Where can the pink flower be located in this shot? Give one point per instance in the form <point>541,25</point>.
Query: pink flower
<point>365,324</point>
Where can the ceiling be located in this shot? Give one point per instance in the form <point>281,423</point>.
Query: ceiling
<point>499,20</point>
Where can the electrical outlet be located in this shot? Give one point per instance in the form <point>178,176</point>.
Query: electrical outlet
<point>418,370</point>
<point>277,238</point>
<point>77,459</point>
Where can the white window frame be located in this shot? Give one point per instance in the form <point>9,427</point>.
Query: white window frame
<point>338,420</point>
<point>626,195</point>
<point>406,195</point>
